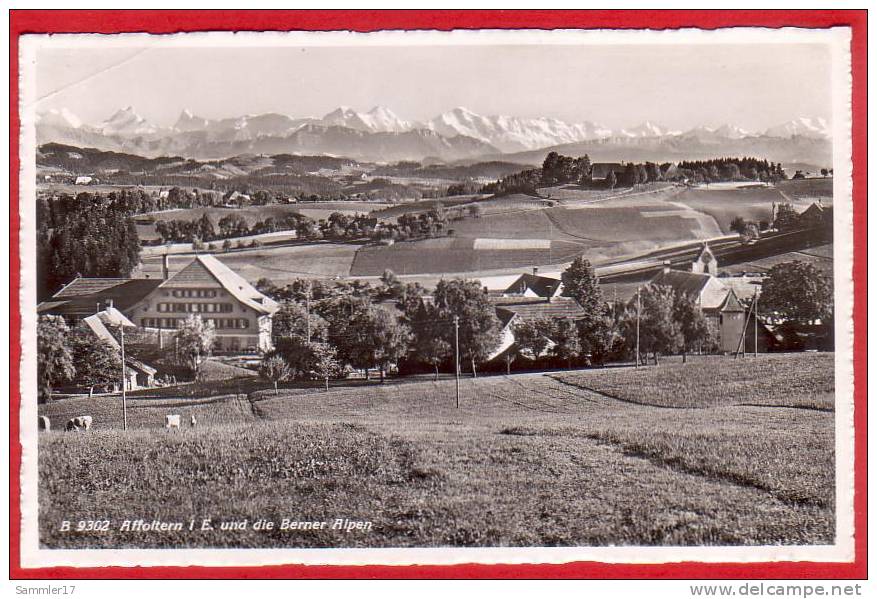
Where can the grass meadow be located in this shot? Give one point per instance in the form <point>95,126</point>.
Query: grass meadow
<point>716,451</point>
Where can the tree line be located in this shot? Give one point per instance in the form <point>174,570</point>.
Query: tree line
<point>558,169</point>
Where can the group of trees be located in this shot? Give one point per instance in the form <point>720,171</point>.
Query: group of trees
<point>230,226</point>
<point>527,181</point>
<point>731,169</point>
<point>338,226</point>
<point>558,169</point>
<point>378,327</point>
<point>89,236</point>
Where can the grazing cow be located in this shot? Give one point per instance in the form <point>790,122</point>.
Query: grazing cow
<point>45,424</point>
<point>193,422</point>
<point>79,423</point>
<point>172,421</point>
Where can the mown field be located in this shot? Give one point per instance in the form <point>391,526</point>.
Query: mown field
<point>455,255</point>
<point>822,257</point>
<point>809,189</point>
<point>716,451</point>
<point>281,264</point>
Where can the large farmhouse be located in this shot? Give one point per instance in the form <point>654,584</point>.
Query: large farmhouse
<point>205,286</point>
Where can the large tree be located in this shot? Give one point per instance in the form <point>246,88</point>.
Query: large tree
<point>565,336</point>
<point>326,363</point>
<point>96,361</point>
<point>696,334</point>
<point>195,339</point>
<point>274,369</point>
<point>389,337</point>
<point>54,358</point>
<point>659,331</point>
<point>429,341</point>
<point>295,319</point>
<point>581,284</point>
<point>479,327</point>
<point>365,335</point>
<point>531,337</point>
<point>797,292</point>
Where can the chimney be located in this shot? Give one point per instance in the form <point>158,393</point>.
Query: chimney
<point>164,267</point>
<point>110,304</point>
<point>535,271</point>
<point>666,266</point>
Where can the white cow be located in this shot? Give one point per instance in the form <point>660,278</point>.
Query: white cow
<point>172,421</point>
<point>79,423</point>
<point>45,424</point>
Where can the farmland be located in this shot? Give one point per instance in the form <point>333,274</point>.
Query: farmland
<point>716,451</point>
<point>606,226</point>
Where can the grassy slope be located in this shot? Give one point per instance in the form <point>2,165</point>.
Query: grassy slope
<point>726,204</point>
<point>527,460</point>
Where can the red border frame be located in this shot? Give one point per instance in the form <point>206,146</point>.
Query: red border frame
<point>169,21</point>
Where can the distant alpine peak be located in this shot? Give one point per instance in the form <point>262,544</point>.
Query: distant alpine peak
<point>812,127</point>
<point>647,129</point>
<point>379,119</point>
<point>59,117</point>
<point>187,121</point>
<point>127,121</point>
<point>725,131</point>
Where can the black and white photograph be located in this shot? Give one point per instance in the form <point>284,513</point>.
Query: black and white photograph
<point>436,297</point>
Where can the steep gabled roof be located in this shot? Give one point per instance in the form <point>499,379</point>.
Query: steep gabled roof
<point>689,283</point>
<point>541,286</point>
<point>138,365</point>
<point>100,330</point>
<point>559,307</point>
<point>87,285</point>
<point>731,303</point>
<point>505,316</point>
<point>705,255</point>
<point>82,295</point>
<point>205,270</point>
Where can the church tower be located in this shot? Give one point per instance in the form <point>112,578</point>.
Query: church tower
<point>705,262</point>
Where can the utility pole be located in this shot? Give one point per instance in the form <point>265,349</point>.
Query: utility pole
<point>755,333</point>
<point>638,309</point>
<point>308,308</point>
<point>457,357</point>
<point>124,380</point>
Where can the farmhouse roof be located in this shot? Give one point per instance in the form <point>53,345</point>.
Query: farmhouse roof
<point>709,291</point>
<point>560,307</point>
<point>689,283</point>
<point>205,270</point>
<point>743,287</point>
<point>82,295</point>
<point>541,286</point>
<point>97,326</point>
<point>138,365</point>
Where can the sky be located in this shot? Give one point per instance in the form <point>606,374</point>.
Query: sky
<point>678,86</point>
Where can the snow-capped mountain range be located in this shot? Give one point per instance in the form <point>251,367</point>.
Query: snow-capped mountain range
<point>455,134</point>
